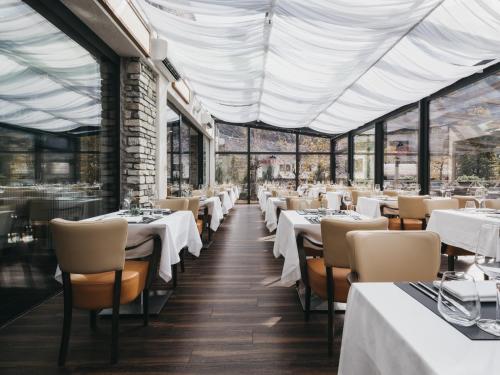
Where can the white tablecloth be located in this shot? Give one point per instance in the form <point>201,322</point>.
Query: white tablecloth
<point>387,332</point>
<point>232,196</point>
<point>177,231</point>
<point>264,194</point>
<point>334,199</point>
<point>236,192</point>
<point>214,210</point>
<point>226,202</point>
<point>271,215</point>
<point>461,228</point>
<point>370,206</point>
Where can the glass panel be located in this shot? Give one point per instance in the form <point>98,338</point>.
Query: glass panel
<point>465,136</point>
<point>314,168</point>
<point>341,149</point>
<point>271,141</point>
<point>364,156</point>
<point>401,147</point>
<point>279,169</point>
<point>313,144</point>
<point>173,147</point>
<point>341,144</point>
<point>232,169</point>
<point>231,138</point>
<point>58,147</point>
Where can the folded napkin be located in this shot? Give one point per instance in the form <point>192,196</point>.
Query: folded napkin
<point>133,219</point>
<point>486,289</point>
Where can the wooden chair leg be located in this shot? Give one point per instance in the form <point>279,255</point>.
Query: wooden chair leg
<point>307,309</point>
<point>116,316</point>
<point>182,259</point>
<point>93,320</point>
<point>451,262</point>
<point>145,306</point>
<point>68,313</point>
<point>329,287</point>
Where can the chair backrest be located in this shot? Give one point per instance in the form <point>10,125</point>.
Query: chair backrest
<point>391,193</point>
<point>492,203</point>
<point>440,204</point>
<point>301,203</point>
<point>175,204</point>
<point>359,193</point>
<point>90,247</point>
<point>462,199</point>
<point>333,233</point>
<point>411,207</point>
<point>198,193</point>
<point>391,256</point>
<point>194,206</point>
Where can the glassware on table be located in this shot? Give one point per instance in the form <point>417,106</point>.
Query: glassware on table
<point>487,259</point>
<point>463,309</point>
<point>347,198</point>
<point>376,189</point>
<point>480,195</point>
<point>470,205</point>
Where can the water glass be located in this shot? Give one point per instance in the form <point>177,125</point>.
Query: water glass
<point>470,205</point>
<point>458,299</point>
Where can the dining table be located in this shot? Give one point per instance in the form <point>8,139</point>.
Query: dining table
<point>373,206</point>
<point>387,331</point>
<point>226,201</point>
<point>469,229</point>
<point>214,211</point>
<point>263,196</point>
<point>271,212</point>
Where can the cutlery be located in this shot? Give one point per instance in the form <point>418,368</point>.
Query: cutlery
<point>421,290</point>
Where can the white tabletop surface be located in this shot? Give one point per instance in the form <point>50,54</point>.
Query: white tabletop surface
<point>388,332</point>
<point>176,230</point>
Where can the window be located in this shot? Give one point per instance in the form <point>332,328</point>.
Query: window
<point>231,138</point>
<point>314,168</point>
<point>232,168</point>
<point>364,156</point>
<point>341,151</point>
<point>401,147</point>
<point>271,141</point>
<point>313,144</point>
<point>279,169</point>
<point>465,135</point>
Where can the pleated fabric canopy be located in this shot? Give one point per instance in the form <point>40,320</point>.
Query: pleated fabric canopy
<point>331,65</point>
<point>47,81</point>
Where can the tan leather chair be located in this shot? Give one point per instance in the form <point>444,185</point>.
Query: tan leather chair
<point>412,212</point>
<point>462,199</point>
<point>327,276</point>
<point>359,193</point>
<point>194,207</point>
<point>302,203</point>
<point>95,274</point>
<point>392,256</point>
<point>390,193</point>
<point>440,204</point>
<point>492,203</point>
<point>175,204</point>
<point>198,193</point>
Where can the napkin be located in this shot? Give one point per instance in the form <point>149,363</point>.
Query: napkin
<point>485,289</point>
<point>133,219</point>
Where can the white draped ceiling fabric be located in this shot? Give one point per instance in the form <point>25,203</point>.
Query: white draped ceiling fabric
<point>331,65</point>
<point>47,81</point>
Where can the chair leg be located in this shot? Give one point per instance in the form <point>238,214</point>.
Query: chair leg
<point>93,320</point>
<point>145,306</point>
<point>174,275</point>
<point>68,313</point>
<point>307,303</point>
<point>116,316</point>
<point>329,287</point>
<point>401,224</point>
<point>451,262</point>
<point>182,259</point>
<point>424,224</point>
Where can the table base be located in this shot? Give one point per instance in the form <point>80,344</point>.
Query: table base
<point>157,300</point>
<point>317,304</point>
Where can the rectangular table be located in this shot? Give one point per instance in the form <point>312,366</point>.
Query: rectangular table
<point>387,332</point>
<point>461,228</point>
<point>372,206</point>
<point>271,212</point>
<point>214,211</point>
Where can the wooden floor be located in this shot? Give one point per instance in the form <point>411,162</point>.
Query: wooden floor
<point>226,317</point>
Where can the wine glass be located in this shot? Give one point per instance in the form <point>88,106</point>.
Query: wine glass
<point>442,189</point>
<point>347,199</point>
<point>470,206</point>
<point>487,259</point>
<point>480,195</point>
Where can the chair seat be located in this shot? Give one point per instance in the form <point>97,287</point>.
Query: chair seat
<point>199,225</point>
<point>317,280</point>
<point>410,224</point>
<point>95,291</point>
<point>311,249</point>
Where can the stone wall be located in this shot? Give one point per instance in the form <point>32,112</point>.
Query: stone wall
<point>138,135</point>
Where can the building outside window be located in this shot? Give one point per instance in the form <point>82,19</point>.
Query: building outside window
<point>364,156</point>
<point>341,151</point>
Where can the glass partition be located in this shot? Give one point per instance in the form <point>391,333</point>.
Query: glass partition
<point>232,168</point>
<point>314,168</point>
<point>401,139</point>
<point>465,136</point>
<point>364,156</point>
<point>277,169</point>
<point>341,151</point>
<point>271,141</point>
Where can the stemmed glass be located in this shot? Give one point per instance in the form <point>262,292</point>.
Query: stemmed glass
<point>480,195</point>
<point>442,189</point>
<point>347,199</point>
<point>487,259</point>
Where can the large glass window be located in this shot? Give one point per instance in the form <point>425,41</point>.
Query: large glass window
<point>401,147</point>
<point>314,168</point>
<point>58,147</point>
<point>341,150</point>
<point>364,156</point>
<point>465,135</point>
<point>313,144</point>
<point>231,138</point>
<point>233,168</point>
<point>279,169</point>
<point>271,141</point>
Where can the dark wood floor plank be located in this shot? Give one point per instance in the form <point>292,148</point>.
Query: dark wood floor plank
<point>227,316</point>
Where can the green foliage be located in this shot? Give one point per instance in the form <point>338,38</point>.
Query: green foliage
<point>481,165</point>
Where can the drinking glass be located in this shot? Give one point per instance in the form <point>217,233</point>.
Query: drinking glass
<point>487,259</point>
<point>347,199</point>
<point>376,189</point>
<point>463,308</point>
<point>470,205</point>
<point>480,195</point>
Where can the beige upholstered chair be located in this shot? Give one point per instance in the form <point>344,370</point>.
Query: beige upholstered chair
<point>492,203</point>
<point>198,193</point>
<point>359,193</point>
<point>462,199</point>
<point>390,193</point>
<point>95,274</point>
<point>391,256</point>
<point>175,204</point>
<point>301,203</point>
<point>194,207</point>
<point>412,211</point>
<point>439,204</point>
<point>327,276</point>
